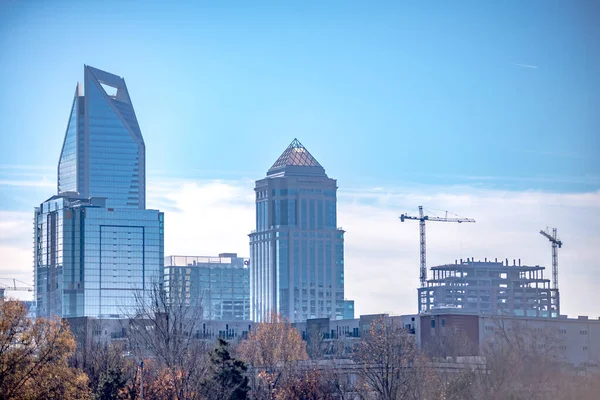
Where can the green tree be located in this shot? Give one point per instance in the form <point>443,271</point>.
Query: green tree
<point>226,378</point>
<point>110,385</point>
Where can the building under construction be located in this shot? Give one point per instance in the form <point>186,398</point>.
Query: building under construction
<point>490,288</point>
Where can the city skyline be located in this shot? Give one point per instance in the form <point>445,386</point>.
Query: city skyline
<point>400,118</point>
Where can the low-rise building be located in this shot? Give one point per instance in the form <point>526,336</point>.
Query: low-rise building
<point>575,340</point>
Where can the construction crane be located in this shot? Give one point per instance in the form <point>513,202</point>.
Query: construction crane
<point>4,287</point>
<point>422,218</point>
<point>556,244</point>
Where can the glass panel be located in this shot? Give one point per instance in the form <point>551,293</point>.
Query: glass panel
<point>67,166</point>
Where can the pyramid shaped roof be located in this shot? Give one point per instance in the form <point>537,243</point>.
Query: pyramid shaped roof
<point>295,155</point>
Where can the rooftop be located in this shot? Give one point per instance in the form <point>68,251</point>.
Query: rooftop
<point>295,155</point>
<point>189,261</point>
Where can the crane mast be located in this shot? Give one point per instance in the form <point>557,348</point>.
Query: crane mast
<point>422,218</point>
<point>556,244</point>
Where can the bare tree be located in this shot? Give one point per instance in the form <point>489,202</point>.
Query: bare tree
<point>391,366</point>
<point>522,361</point>
<point>167,331</point>
<point>451,342</point>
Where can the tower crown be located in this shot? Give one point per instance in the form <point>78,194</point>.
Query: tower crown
<point>296,158</point>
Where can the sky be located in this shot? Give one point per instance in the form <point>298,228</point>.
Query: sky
<point>485,109</point>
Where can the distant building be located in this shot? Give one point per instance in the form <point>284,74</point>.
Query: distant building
<point>221,285</point>
<point>99,330</point>
<point>96,247</point>
<point>297,250</point>
<point>349,309</point>
<point>577,340</point>
<point>490,288</point>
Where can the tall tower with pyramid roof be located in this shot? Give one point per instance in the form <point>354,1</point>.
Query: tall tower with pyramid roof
<point>296,250</point>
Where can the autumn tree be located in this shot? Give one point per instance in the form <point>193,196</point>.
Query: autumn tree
<point>272,349</point>
<point>306,383</point>
<point>273,343</point>
<point>226,378</point>
<point>34,357</point>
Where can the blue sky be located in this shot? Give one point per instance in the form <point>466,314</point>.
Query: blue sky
<point>394,97</point>
<point>386,93</point>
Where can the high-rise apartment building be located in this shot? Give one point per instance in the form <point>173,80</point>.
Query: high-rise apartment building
<point>297,251</point>
<point>96,247</point>
<point>220,285</point>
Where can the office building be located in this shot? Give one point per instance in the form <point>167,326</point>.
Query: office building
<point>91,260</point>
<point>96,248</point>
<point>220,285</point>
<point>297,250</point>
<point>103,152</point>
<point>490,288</point>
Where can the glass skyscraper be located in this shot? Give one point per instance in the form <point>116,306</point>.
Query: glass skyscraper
<point>103,153</point>
<point>96,247</point>
<point>297,251</point>
<point>220,285</point>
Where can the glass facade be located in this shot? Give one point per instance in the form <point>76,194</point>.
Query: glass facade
<point>103,152</point>
<point>67,165</point>
<point>221,285</point>
<point>90,260</point>
<point>297,251</point>
<point>96,247</point>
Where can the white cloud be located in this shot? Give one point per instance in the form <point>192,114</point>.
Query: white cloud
<point>382,253</point>
<point>525,65</point>
<point>40,183</point>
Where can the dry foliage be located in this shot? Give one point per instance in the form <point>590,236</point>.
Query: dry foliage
<point>273,343</point>
<point>34,357</point>
<point>272,349</point>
